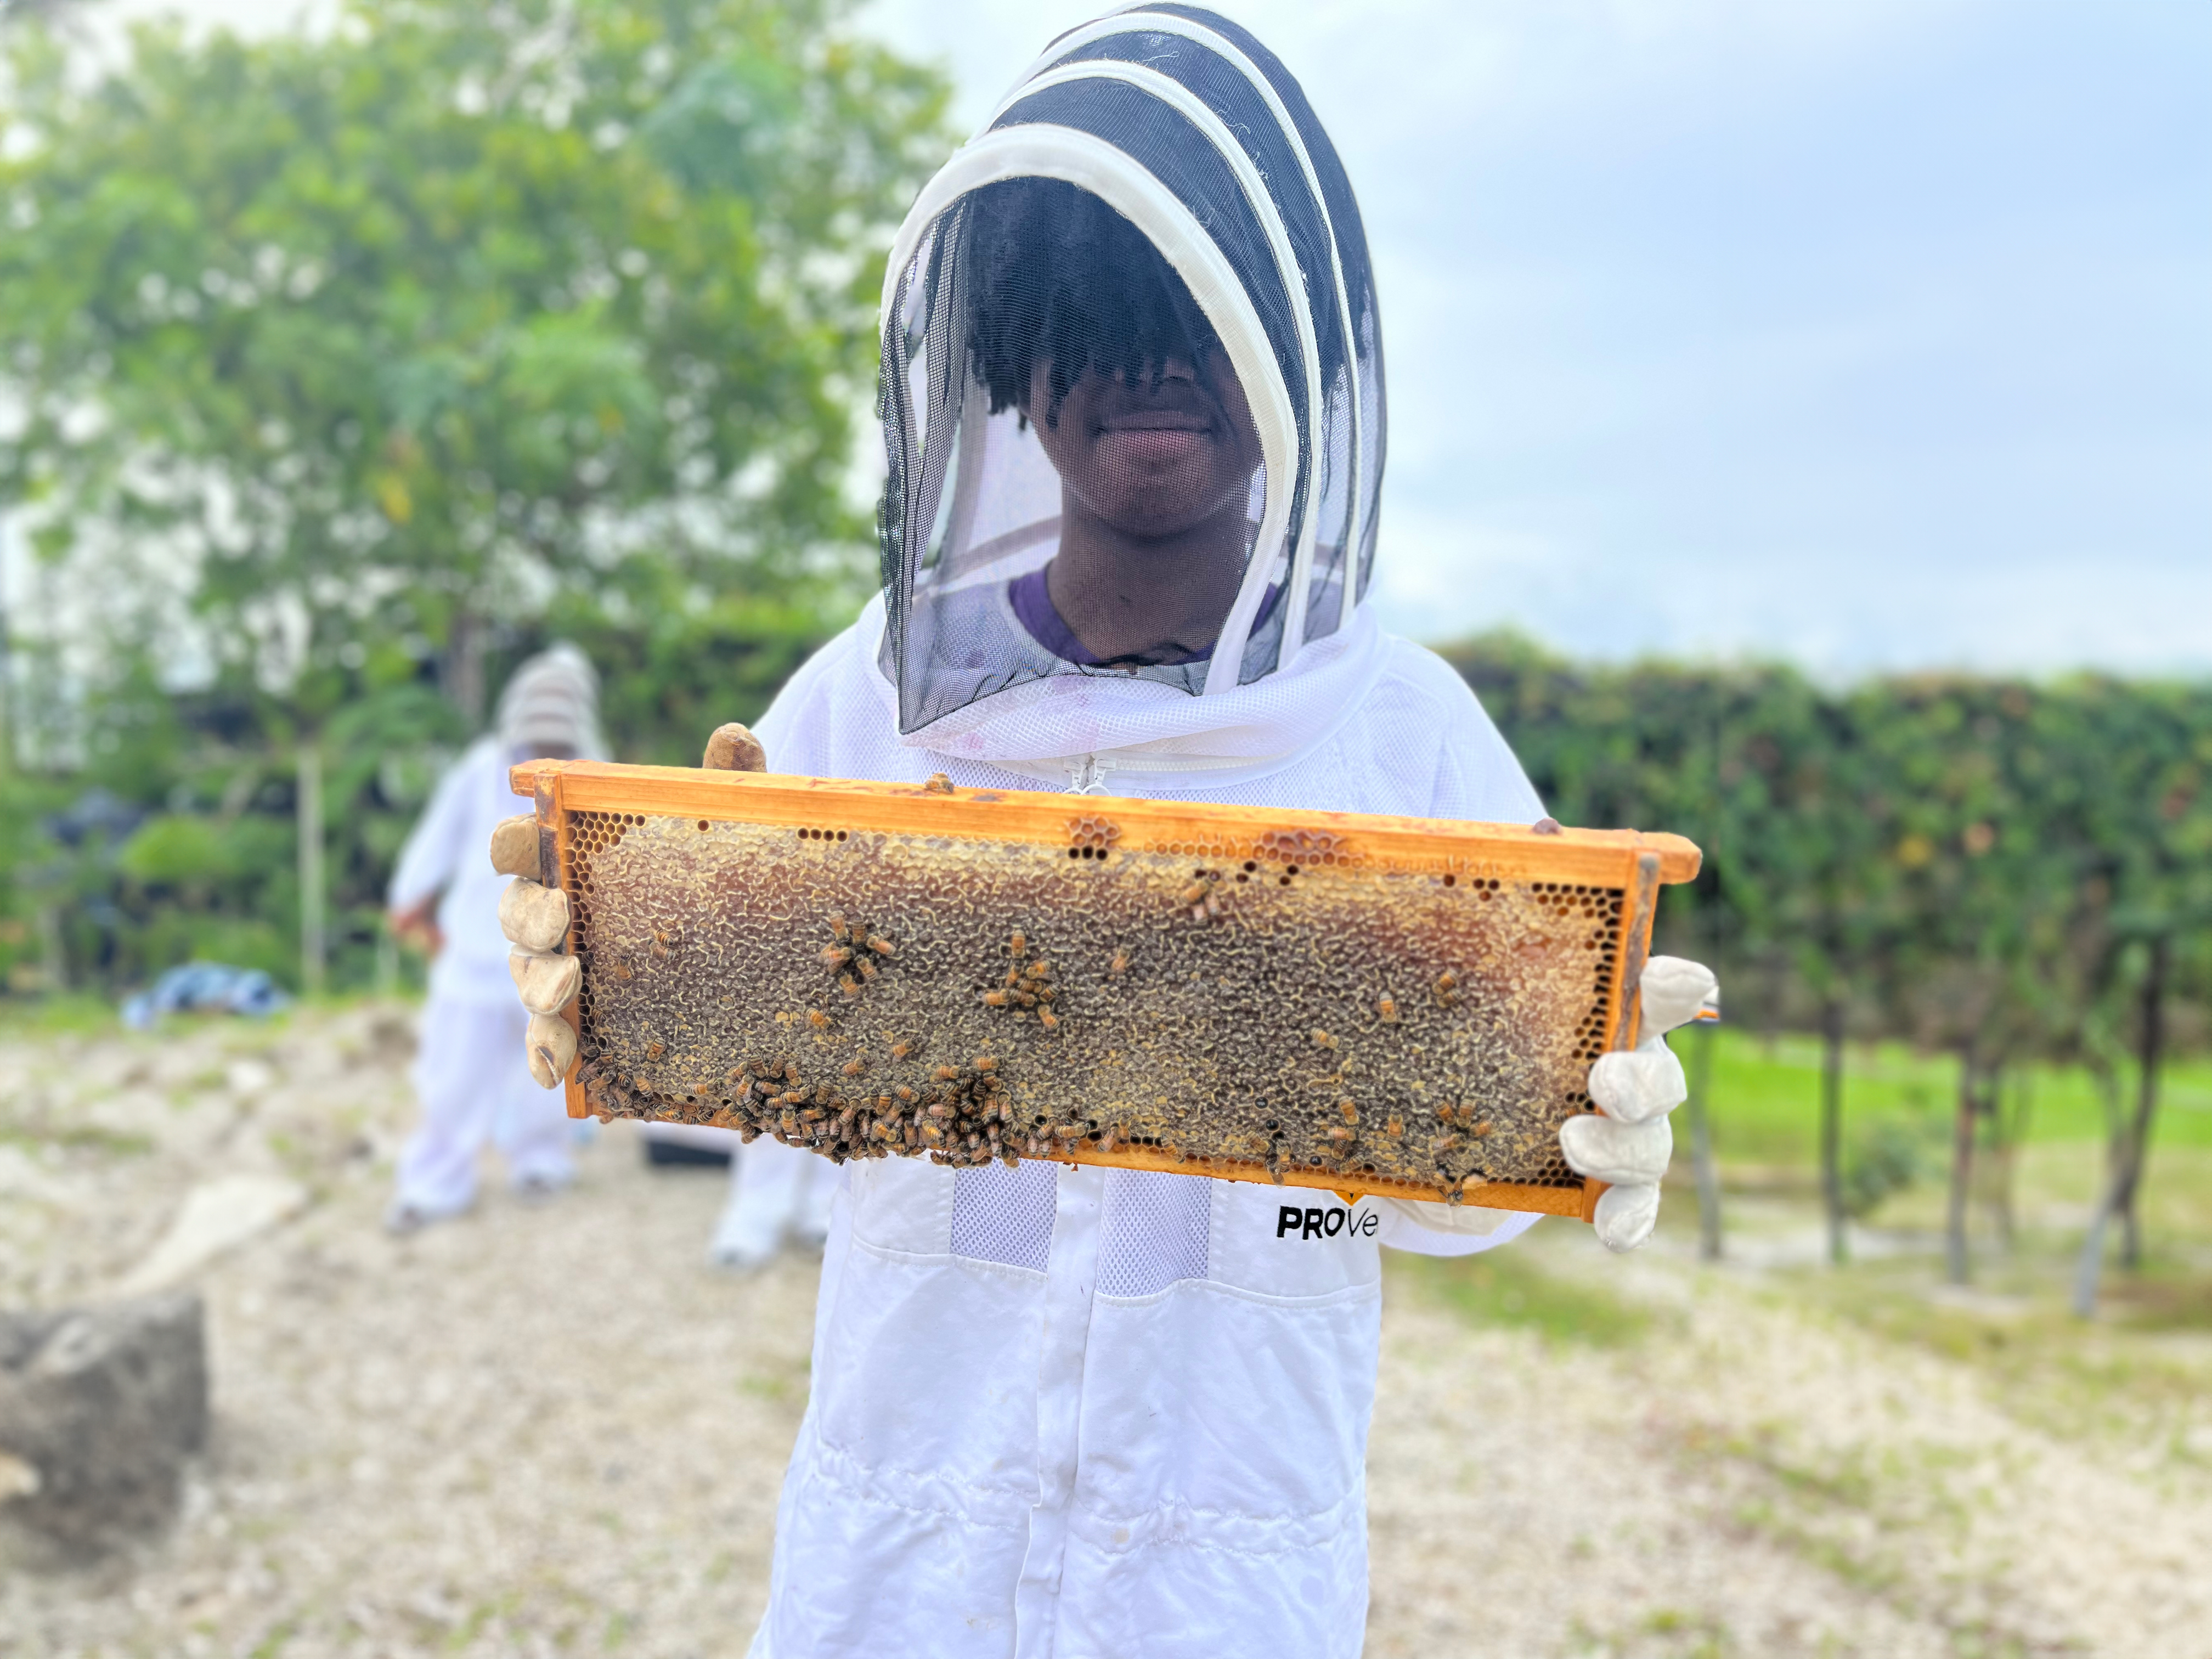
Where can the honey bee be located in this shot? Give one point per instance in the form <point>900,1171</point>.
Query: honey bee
<point>938,1110</point>
<point>947,1074</point>
<point>849,984</point>
<point>854,1068</point>
<point>1483,1129</point>
<point>900,1050</point>
<point>841,929</point>
<point>1018,944</point>
<point>1340,1135</point>
<point>1323,1039</point>
<point>868,969</point>
<point>994,998</point>
<point>1193,894</point>
<point>1447,984</point>
<point>884,1102</point>
<point>1395,1128</point>
<point>1047,993</point>
<point>816,1018</point>
<point>1119,965</point>
<point>1050,1019</point>
<point>932,1134</point>
<point>986,1063</point>
<point>791,1071</point>
<point>1025,999</point>
<point>1348,1109</point>
<point>834,957</point>
<point>904,1093</point>
<point>1387,1009</point>
<point>882,946</point>
<point>655,1051</point>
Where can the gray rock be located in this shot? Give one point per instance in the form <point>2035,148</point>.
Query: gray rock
<point>99,1408</point>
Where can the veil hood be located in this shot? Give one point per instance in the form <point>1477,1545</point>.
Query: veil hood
<point>1213,171</point>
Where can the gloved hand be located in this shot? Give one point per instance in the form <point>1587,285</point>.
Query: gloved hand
<point>1628,1146</point>
<point>535,919</point>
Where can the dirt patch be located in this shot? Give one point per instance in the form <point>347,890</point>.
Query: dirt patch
<point>552,1429</point>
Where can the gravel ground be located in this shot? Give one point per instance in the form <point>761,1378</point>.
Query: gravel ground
<point>552,1430</point>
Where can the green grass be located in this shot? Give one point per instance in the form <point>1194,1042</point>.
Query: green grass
<point>1510,1288</point>
<point>1766,1098</point>
<point>66,1013</point>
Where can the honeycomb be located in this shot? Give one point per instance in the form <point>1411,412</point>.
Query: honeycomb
<point>1280,1006</point>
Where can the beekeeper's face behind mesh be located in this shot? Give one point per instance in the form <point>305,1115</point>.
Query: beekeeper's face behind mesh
<point>1080,327</point>
<point>1131,391</point>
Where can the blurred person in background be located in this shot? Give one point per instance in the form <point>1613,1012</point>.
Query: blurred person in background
<point>778,1194</point>
<point>470,1073</point>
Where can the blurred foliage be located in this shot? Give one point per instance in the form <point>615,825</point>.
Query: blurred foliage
<point>339,372</point>
<point>1887,1157</point>
<point>1970,863</point>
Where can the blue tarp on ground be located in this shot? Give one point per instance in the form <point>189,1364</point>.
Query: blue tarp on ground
<point>205,987</point>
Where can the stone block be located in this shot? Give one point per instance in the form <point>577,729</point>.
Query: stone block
<point>100,1407</point>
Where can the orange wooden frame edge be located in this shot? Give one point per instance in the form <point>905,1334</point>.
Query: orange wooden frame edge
<point>559,787</point>
<point>1042,816</point>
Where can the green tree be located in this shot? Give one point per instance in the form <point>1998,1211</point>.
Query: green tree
<point>334,359</point>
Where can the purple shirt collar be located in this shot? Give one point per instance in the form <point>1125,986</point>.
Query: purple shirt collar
<point>1035,611</point>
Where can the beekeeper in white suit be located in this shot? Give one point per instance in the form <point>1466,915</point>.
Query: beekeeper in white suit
<point>778,1194</point>
<point>473,1087</point>
<point>1132,400</point>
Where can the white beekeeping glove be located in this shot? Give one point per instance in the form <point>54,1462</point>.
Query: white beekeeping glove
<point>535,920</point>
<point>1629,1146</point>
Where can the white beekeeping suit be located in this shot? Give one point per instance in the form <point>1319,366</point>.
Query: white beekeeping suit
<point>1090,1412</point>
<point>469,1075</point>
<point>1132,394</point>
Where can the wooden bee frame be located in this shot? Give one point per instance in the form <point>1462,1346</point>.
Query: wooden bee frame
<point>1406,1007</point>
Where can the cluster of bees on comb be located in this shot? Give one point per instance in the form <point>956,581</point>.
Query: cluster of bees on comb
<point>854,954</point>
<point>1028,987</point>
<point>957,1114</point>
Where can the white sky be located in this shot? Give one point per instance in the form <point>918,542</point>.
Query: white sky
<point>1871,333</point>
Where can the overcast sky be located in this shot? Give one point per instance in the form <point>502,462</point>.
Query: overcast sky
<point>1871,333</point>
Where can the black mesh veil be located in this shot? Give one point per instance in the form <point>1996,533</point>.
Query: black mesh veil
<point>1131,379</point>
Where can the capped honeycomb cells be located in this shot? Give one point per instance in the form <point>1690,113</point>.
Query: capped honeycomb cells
<point>1253,1009</point>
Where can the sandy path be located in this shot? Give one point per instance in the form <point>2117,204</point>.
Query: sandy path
<point>552,1430</point>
